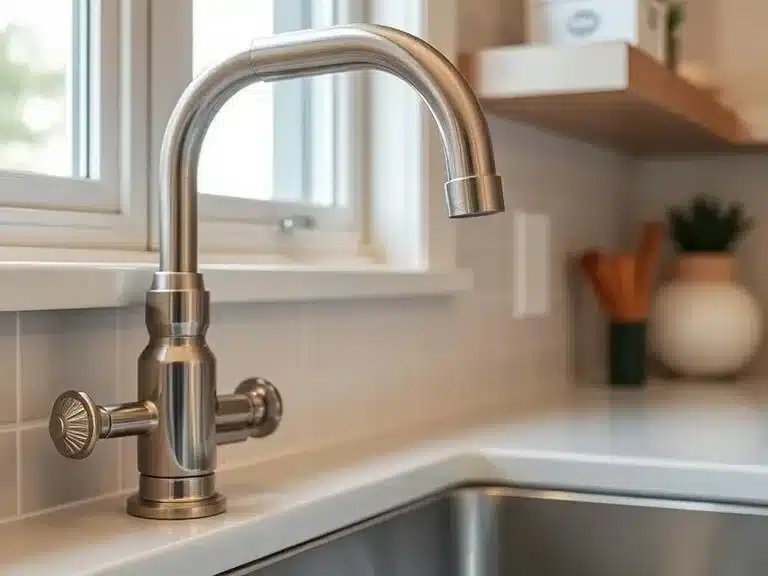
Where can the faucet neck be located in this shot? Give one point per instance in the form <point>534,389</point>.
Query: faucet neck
<point>473,188</point>
<point>180,156</point>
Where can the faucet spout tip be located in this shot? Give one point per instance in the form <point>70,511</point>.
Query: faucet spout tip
<point>474,196</point>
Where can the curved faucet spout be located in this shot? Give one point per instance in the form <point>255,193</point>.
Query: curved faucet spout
<point>472,189</point>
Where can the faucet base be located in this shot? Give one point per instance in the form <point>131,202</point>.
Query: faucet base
<point>182,510</point>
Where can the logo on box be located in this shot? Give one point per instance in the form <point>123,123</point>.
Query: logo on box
<point>583,23</point>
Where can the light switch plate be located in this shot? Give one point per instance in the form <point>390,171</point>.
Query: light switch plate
<point>532,262</point>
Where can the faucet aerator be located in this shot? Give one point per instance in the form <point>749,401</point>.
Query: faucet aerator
<point>474,196</point>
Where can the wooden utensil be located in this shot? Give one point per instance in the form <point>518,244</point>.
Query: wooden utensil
<point>597,271</point>
<point>624,267</point>
<point>623,283</point>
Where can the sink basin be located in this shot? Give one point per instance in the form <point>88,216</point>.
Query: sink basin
<point>514,532</point>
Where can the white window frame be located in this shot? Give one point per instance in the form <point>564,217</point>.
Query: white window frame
<point>109,209</point>
<point>406,228</point>
<point>237,225</point>
<point>409,228</point>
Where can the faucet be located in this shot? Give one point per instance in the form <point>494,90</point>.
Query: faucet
<point>179,420</point>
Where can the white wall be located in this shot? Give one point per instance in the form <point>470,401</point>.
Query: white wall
<point>346,369</point>
<point>741,50</point>
<point>729,36</point>
<point>490,23</point>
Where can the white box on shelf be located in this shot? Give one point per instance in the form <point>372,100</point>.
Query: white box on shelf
<point>641,23</point>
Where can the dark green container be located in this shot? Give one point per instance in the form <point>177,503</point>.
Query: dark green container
<point>627,354</point>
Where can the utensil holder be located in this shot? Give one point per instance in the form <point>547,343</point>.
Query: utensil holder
<point>627,353</point>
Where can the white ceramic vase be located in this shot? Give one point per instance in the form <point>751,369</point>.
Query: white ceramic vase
<point>703,323</point>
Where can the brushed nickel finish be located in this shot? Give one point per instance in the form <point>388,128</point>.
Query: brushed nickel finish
<point>253,411</point>
<point>130,419</point>
<point>182,510</point>
<point>501,531</point>
<point>474,196</point>
<point>179,420</point>
<point>177,489</point>
<point>76,423</point>
<point>267,405</point>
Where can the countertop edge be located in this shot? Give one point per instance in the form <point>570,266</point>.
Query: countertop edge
<point>645,477</point>
<point>306,520</point>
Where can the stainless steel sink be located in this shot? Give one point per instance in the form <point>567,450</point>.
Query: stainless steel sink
<point>515,532</point>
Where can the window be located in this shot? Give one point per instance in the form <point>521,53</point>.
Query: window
<point>86,90</point>
<point>71,171</point>
<point>43,80</point>
<point>275,150</point>
<point>245,169</point>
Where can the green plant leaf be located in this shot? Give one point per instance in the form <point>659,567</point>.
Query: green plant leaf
<point>707,225</point>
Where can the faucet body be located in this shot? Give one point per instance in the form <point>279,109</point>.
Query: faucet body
<point>179,419</point>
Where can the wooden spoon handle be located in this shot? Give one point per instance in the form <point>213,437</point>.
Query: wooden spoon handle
<point>593,265</point>
<point>625,267</point>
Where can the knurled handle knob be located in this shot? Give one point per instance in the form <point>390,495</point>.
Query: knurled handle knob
<point>75,424</point>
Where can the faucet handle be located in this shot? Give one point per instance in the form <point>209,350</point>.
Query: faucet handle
<point>253,411</point>
<point>75,424</point>
<point>267,405</point>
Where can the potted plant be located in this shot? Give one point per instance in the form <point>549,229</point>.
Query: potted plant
<point>705,235</point>
<point>704,322</point>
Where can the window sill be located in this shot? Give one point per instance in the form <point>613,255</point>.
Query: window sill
<point>32,285</point>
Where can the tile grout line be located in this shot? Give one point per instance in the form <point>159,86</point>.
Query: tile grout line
<point>18,416</point>
<point>38,424</point>
<point>120,441</point>
<point>59,507</point>
<point>302,360</point>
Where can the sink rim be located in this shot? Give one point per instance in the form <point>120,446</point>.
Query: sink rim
<point>496,490</point>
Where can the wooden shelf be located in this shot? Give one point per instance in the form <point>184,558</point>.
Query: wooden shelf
<point>612,94</point>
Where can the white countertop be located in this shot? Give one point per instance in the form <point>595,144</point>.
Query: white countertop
<point>706,443</point>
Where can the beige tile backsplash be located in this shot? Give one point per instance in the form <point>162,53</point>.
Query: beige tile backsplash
<point>8,476</point>
<point>131,340</point>
<point>72,349</point>
<point>8,374</point>
<point>129,476</point>
<point>48,479</point>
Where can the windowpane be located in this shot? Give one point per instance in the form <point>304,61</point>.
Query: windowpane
<point>271,141</point>
<point>238,154</point>
<point>38,83</point>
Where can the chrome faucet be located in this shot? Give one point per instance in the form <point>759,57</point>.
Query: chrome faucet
<point>179,419</point>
